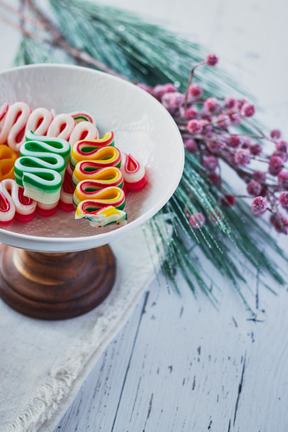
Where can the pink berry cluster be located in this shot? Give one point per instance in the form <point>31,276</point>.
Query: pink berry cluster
<point>212,128</point>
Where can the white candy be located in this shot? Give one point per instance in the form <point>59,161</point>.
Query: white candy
<point>11,186</point>
<point>83,130</point>
<point>13,124</point>
<point>61,126</point>
<point>8,214</point>
<point>39,121</point>
<point>134,173</point>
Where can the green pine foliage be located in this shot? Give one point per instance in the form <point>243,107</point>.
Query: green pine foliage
<point>126,44</point>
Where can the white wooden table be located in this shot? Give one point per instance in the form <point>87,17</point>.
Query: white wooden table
<point>180,364</point>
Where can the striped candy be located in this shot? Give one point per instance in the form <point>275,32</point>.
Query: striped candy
<point>104,157</point>
<point>13,203</point>
<point>88,170</point>
<point>82,116</point>
<point>133,172</point>
<point>13,120</point>
<point>112,195</point>
<point>83,130</point>
<point>18,118</point>
<point>39,121</point>
<point>87,149</point>
<point>40,176</point>
<point>100,217</point>
<point>38,143</point>
<point>61,126</point>
<point>66,194</point>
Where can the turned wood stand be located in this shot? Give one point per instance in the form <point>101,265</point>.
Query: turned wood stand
<point>55,286</point>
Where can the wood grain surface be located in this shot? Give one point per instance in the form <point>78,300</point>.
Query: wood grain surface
<point>180,364</point>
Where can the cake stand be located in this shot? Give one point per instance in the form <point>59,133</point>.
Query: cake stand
<point>58,267</point>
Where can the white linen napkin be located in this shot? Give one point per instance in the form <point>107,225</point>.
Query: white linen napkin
<point>43,363</point>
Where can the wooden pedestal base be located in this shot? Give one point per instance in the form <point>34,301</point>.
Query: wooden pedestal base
<point>55,286</point>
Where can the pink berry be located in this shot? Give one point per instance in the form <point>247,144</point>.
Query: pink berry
<point>282,146</point>
<point>223,121</point>
<point>275,165</point>
<point>215,146</point>
<point>210,164</point>
<point>227,200</point>
<point>206,127</point>
<point>215,179</point>
<point>197,220</point>
<point>195,90</point>
<point>145,87</point>
<point>194,126</point>
<point>282,155</point>
<point>279,222</point>
<point>245,145</point>
<point>283,179</point>
<point>234,141</point>
<point>245,141</point>
<point>172,101</point>
<point>229,102</point>
<point>259,205</point>
<point>212,105</point>
<point>191,113</point>
<point>275,134</point>
<point>247,109</point>
<point>283,199</point>
<point>230,200</point>
<point>255,149</point>
<point>230,159</point>
<point>260,176</point>
<point>241,102</point>
<point>254,188</point>
<point>235,119</point>
<point>242,157</point>
<point>190,145</point>
<point>207,117</point>
<point>159,90</point>
<point>211,59</point>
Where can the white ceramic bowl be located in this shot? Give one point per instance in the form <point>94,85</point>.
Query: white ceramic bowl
<point>141,126</point>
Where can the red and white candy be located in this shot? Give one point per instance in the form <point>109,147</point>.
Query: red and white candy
<point>13,203</point>
<point>13,122</point>
<point>133,173</point>
<point>83,130</point>
<point>61,126</point>
<point>66,194</point>
<point>39,121</point>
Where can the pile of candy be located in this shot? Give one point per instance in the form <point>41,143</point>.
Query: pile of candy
<point>50,161</point>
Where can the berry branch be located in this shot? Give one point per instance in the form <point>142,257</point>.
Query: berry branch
<point>209,130</point>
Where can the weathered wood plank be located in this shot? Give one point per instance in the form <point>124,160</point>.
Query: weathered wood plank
<point>190,367</point>
<point>200,371</point>
<point>177,380</point>
<point>102,389</point>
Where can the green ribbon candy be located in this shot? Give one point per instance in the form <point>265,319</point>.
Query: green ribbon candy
<point>41,167</point>
<point>49,144</point>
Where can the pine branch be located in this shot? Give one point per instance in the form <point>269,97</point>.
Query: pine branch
<point>121,43</point>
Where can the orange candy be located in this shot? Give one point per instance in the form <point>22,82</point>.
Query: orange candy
<point>7,159</point>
